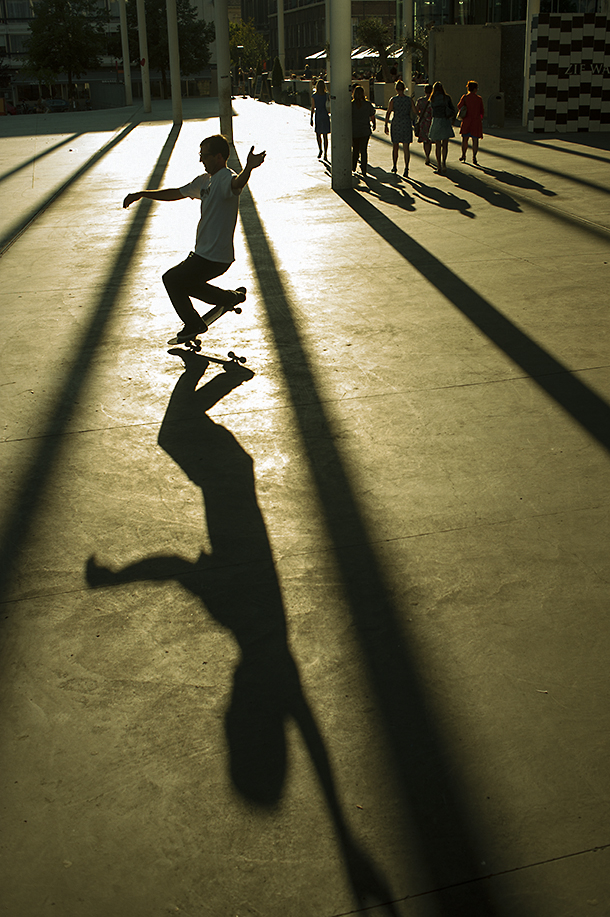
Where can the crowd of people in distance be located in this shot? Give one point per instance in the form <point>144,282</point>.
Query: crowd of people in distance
<point>430,120</point>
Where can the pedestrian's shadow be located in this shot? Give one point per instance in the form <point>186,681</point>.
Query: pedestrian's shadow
<point>470,183</point>
<point>395,190</point>
<point>238,584</point>
<point>387,187</point>
<point>517,181</point>
<point>444,199</point>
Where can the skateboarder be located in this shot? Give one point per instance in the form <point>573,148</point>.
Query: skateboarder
<point>218,190</point>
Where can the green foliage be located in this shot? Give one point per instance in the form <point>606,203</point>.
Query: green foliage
<point>66,36</point>
<point>194,37</point>
<point>254,48</point>
<point>374,34</point>
<point>277,74</point>
<point>418,46</point>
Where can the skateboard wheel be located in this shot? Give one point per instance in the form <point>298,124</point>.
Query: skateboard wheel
<point>242,359</point>
<point>237,309</point>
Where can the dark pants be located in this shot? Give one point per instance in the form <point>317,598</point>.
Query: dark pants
<point>190,278</point>
<point>359,149</point>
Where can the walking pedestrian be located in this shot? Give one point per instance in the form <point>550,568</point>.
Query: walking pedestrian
<point>443,113</point>
<point>403,113</point>
<point>424,120</point>
<point>218,190</point>
<point>363,121</point>
<point>319,112</point>
<point>472,120</point>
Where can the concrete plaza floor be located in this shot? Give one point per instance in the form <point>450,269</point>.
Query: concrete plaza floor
<point>327,634</point>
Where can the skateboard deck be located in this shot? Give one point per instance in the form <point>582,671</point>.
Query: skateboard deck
<point>213,315</point>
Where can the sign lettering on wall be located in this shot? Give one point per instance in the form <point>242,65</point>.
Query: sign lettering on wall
<point>586,67</point>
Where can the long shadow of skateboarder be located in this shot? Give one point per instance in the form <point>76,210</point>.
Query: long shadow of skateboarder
<point>238,584</point>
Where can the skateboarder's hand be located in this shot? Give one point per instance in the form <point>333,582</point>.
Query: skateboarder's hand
<point>130,199</point>
<point>254,160</point>
<point>98,575</point>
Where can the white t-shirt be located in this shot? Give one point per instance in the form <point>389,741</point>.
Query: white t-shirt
<point>219,204</point>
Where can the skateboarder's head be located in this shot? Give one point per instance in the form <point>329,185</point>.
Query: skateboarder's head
<point>214,152</point>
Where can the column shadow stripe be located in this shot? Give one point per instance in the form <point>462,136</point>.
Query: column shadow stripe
<point>590,411</point>
<point>432,805</point>
<point>20,516</point>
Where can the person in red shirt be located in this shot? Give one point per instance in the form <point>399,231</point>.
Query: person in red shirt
<point>472,123</point>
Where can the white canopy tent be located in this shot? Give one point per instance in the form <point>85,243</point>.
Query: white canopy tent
<point>394,52</point>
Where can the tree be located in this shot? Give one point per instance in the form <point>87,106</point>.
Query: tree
<point>247,46</point>
<point>418,46</point>
<point>194,36</point>
<point>374,34</point>
<point>66,36</point>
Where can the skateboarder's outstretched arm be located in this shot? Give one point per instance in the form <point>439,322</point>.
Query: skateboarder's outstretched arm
<point>253,161</point>
<point>165,194</point>
<point>162,567</point>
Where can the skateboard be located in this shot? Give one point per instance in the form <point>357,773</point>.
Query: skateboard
<point>213,315</point>
<point>194,346</point>
<point>233,358</point>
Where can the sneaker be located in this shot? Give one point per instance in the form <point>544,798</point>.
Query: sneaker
<point>189,333</point>
<point>240,295</point>
<point>405,174</point>
<point>394,170</point>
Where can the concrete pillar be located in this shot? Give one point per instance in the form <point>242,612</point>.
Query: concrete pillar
<point>174,60</point>
<point>327,31</point>
<point>341,68</point>
<point>281,39</point>
<point>144,69</point>
<point>533,8</point>
<point>125,52</point>
<point>223,64</point>
<point>407,36</point>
